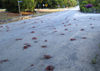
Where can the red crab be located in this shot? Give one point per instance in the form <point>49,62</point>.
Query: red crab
<point>26,45</point>
<point>44,46</point>
<point>72,39</point>
<point>34,38</point>
<point>2,61</point>
<point>33,32</point>
<point>47,56</point>
<point>50,68</point>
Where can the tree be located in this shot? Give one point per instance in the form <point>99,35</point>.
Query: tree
<point>29,5</point>
<point>12,5</point>
<point>57,3</point>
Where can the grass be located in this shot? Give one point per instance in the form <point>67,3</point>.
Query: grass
<point>94,60</point>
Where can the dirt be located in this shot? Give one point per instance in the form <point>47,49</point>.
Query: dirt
<point>7,17</point>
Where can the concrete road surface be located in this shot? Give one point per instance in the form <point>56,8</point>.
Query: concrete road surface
<point>61,41</point>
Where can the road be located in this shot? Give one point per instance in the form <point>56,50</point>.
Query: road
<point>61,41</point>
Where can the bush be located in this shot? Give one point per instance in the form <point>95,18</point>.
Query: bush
<point>90,6</point>
<point>12,5</point>
<point>29,5</point>
<point>56,3</point>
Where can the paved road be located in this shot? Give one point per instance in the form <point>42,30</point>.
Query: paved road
<point>66,41</point>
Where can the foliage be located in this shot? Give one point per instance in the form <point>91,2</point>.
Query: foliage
<point>12,5</point>
<point>91,6</point>
<point>56,3</point>
<point>29,5</point>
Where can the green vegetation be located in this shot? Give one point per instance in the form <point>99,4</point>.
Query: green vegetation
<point>29,5</point>
<point>12,5</point>
<point>90,6</point>
<point>56,3</point>
<point>94,60</point>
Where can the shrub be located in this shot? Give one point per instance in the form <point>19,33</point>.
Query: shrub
<point>57,3</point>
<point>29,5</point>
<point>12,5</point>
<point>90,6</point>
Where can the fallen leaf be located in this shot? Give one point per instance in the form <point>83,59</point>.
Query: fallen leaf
<point>50,68</point>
